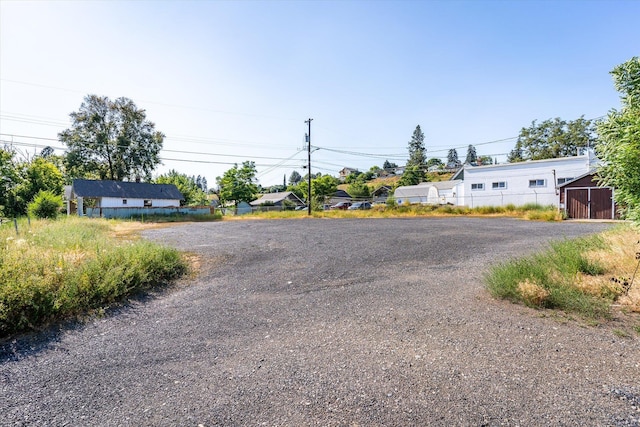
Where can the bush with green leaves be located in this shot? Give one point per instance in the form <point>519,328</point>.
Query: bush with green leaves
<point>45,205</point>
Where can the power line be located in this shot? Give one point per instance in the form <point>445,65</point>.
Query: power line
<point>209,110</point>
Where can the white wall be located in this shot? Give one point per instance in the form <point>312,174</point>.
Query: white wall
<point>116,202</point>
<point>516,178</point>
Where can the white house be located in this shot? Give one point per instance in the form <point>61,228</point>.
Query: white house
<point>520,183</point>
<point>278,199</point>
<point>120,194</point>
<point>432,193</point>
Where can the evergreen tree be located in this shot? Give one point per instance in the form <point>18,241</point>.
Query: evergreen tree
<point>417,151</point>
<point>452,159</point>
<point>472,156</point>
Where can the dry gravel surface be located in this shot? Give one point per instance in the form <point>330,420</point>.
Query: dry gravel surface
<point>318,322</point>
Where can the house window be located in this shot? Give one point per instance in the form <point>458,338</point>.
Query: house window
<point>563,180</point>
<point>124,201</point>
<point>533,183</point>
<point>477,186</point>
<point>147,203</point>
<point>499,185</point>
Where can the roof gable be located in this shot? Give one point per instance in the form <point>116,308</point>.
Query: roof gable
<point>125,190</point>
<point>276,197</point>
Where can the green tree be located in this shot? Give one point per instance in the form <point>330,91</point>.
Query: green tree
<point>553,138</point>
<point>238,184</point>
<point>412,175</point>
<point>38,175</point>
<point>452,159</point>
<point>359,188</point>
<point>299,189</point>
<point>192,193</point>
<point>322,187</point>
<point>9,180</point>
<point>352,177</point>
<point>417,151</point>
<point>294,178</point>
<point>484,160</point>
<point>45,205</point>
<point>112,139</point>
<point>389,166</point>
<point>434,161</point>
<point>516,155</point>
<point>619,144</point>
<point>472,156</point>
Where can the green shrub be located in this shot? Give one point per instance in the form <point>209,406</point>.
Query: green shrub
<point>45,205</point>
<point>550,276</point>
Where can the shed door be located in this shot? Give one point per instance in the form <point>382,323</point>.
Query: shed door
<point>589,203</point>
<point>601,205</point>
<point>578,203</point>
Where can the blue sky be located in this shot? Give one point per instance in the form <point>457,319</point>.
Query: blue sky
<point>233,81</point>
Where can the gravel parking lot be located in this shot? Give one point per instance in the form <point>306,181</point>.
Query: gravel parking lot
<point>350,322</point>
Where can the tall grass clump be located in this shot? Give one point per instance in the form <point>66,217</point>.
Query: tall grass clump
<point>548,279</point>
<point>52,270</point>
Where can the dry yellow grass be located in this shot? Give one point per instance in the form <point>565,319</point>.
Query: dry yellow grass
<point>532,293</point>
<point>618,257</point>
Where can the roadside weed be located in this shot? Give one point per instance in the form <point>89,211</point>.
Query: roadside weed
<point>56,269</point>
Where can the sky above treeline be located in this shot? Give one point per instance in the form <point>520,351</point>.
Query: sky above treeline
<point>229,81</point>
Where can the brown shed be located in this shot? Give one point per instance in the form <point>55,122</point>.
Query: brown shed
<point>582,198</point>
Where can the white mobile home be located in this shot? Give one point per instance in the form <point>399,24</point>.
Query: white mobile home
<point>431,193</point>
<point>520,183</point>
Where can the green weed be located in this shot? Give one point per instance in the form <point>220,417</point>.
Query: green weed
<point>546,280</point>
<point>55,269</point>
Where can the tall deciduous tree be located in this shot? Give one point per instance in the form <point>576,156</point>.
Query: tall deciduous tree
<point>417,151</point>
<point>553,138</point>
<point>188,186</point>
<point>112,139</point>
<point>323,186</point>
<point>619,145</point>
<point>294,178</point>
<point>238,184</point>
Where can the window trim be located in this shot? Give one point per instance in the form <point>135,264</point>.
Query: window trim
<point>479,186</point>
<point>124,202</point>
<point>534,183</point>
<point>496,185</point>
<point>564,180</point>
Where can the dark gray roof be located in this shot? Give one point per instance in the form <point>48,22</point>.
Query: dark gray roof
<point>342,193</point>
<point>121,189</point>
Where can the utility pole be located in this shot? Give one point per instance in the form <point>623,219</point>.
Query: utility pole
<point>309,165</point>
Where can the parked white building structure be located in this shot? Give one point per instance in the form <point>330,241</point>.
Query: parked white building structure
<point>534,181</point>
<point>430,193</point>
<point>519,183</point>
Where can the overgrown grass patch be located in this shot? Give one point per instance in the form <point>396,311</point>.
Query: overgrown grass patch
<point>531,212</point>
<point>53,270</point>
<point>572,275</point>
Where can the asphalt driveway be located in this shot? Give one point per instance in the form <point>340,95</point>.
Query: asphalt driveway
<point>330,322</point>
